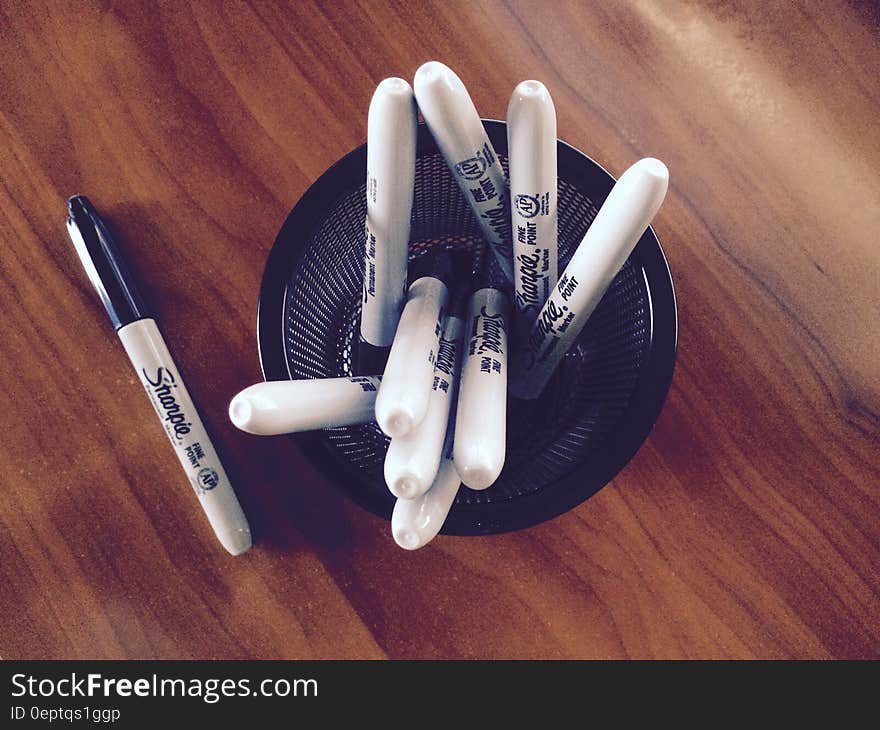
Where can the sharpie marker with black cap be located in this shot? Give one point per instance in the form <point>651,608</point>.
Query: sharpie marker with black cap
<point>158,374</point>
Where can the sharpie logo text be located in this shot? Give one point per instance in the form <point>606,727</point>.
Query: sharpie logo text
<point>543,328</point>
<point>446,357</point>
<point>528,293</point>
<point>490,338</point>
<point>162,387</point>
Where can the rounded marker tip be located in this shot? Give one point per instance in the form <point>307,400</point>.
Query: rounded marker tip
<point>434,72</point>
<point>406,486</point>
<point>653,167</point>
<point>530,89</point>
<point>431,70</point>
<point>397,424</point>
<point>236,542</point>
<point>531,109</point>
<point>78,207</point>
<point>394,85</point>
<point>476,477</point>
<point>648,180</point>
<point>241,412</point>
<point>407,539</point>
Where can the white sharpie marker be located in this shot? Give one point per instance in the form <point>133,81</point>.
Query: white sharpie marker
<point>531,145</point>
<point>413,459</point>
<point>481,414</point>
<point>455,125</point>
<point>415,522</point>
<point>289,406</point>
<point>403,397</point>
<point>620,223</point>
<point>159,375</point>
<point>391,163</point>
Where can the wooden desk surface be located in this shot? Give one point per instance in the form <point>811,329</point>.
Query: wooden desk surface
<point>747,526</point>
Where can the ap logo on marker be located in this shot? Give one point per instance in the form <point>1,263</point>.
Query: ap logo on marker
<point>207,479</point>
<point>527,205</point>
<point>472,168</point>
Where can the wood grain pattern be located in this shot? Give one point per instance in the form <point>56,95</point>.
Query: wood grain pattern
<point>747,526</point>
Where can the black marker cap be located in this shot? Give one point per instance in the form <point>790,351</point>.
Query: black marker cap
<point>103,263</point>
<point>432,263</point>
<point>491,276</point>
<point>463,279</point>
<point>463,267</point>
<point>370,359</point>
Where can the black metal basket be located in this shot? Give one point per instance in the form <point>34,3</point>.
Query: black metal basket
<point>562,448</point>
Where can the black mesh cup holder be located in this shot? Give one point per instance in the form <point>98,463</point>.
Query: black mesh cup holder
<point>562,448</point>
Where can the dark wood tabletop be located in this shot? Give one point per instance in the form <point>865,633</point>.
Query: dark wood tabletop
<point>746,526</point>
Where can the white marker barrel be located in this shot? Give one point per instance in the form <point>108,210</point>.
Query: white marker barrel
<point>531,147</point>
<point>481,415</point>
<point>391,163</point>
<point>403,397</point>
<point>454,123</point>
<point>415,522</point>
<point>159,375</point>
<point>413,459</point>
<point>289,406</point>
<point>618,226</point>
